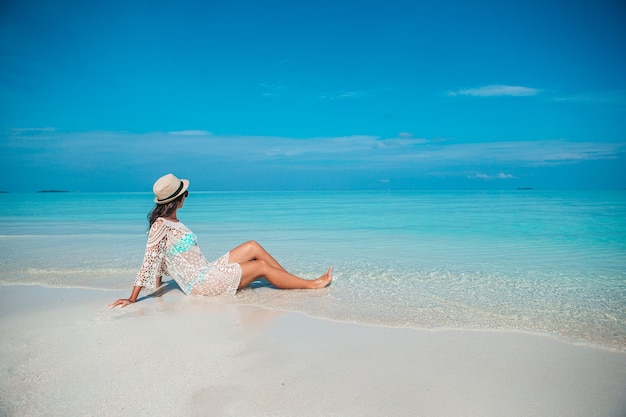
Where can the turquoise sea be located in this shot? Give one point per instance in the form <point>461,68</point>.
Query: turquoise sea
<point>549,262</point>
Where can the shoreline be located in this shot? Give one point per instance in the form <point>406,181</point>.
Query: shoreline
<point>64,354</point>
<point>174,292</point>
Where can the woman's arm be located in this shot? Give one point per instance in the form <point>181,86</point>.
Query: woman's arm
<point>151,270</point>
<point>126,301</point>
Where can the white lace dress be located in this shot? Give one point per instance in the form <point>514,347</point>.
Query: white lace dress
<point>173,249</point>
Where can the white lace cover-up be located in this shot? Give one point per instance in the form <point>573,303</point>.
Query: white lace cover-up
<point>173,249</point>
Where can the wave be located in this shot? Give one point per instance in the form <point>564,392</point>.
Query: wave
<point>80,271</point>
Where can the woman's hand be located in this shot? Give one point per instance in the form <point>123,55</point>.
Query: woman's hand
<point>120,302</point>
<point>126,301</point>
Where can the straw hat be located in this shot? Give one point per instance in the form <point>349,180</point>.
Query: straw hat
<point>168,188</point>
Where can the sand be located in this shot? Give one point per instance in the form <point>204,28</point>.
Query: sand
<point>63,354</point>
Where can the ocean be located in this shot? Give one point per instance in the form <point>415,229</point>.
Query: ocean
<point>547,262</point>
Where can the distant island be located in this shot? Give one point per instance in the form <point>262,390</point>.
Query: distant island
<point>4,192</point>
<point>524,188</point>
<point>53,191</point>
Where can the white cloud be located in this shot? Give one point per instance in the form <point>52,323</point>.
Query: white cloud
<point>496,90</point>
<point>499,176</point>
<point>617,97</point>
<point>191,133</point>
<point>339,95</point>
<point>199,148</point>
<point>543,152</point>
<point>31,130</point>
<point>355,94</point>
<point>272,90</point>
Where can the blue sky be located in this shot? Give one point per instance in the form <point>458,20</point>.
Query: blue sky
<point>238,95</point>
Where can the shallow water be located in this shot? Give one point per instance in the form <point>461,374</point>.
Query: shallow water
<point>551,262</point>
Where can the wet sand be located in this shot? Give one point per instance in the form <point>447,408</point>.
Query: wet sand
<point>63,354</point>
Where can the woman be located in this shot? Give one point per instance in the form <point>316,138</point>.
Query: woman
<point>172,249</point>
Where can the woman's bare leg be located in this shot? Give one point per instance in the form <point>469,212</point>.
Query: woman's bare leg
<point>280,278</point>
<point>252,251</point>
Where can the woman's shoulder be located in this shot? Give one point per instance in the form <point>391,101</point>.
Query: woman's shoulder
<point>162,222</point>
<point>158,223</point>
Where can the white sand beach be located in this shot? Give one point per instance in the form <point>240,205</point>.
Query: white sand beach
<point>63,354</point>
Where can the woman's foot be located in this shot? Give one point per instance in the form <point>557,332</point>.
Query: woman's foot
<point>324,280</point>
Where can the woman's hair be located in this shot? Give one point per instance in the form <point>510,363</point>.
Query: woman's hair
<point>164,210</point>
